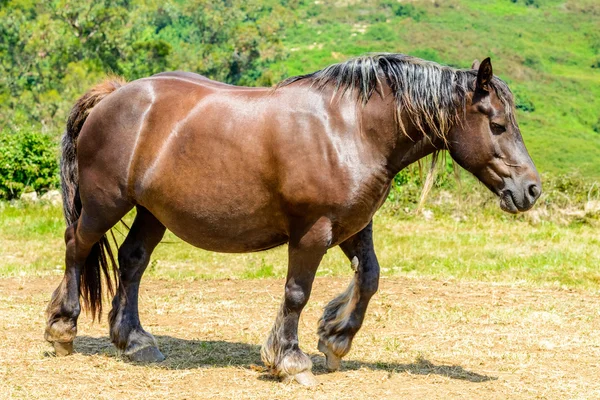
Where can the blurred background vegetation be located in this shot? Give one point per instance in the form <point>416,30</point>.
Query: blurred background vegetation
<point>548,51</point>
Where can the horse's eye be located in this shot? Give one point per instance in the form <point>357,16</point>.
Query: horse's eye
<point>497,129</point>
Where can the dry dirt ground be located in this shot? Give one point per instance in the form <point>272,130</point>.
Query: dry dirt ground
<point>422,339</point>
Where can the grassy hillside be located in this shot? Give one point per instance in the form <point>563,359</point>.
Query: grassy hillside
<point>548,51</point>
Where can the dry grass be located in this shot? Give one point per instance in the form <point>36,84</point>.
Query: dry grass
<point>422,339</point>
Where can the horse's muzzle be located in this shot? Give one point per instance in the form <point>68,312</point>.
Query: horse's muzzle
<point>518,198</point>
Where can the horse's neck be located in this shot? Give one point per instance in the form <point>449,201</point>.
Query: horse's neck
<point>399,148</point>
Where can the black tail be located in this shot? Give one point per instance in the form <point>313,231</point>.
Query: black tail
<point>97,263</point>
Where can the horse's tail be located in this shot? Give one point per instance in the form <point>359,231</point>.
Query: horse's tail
<point>97,263</point>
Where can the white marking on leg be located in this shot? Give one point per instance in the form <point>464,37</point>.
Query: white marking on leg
<point>281,363</point>
<point>354,264</point>
<point>336,317</point>
<point>270,350</point>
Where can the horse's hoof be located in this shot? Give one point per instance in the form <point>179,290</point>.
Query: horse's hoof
<point>304,378</point>
<point>148,354</point>
<point>332,362</point>
<point>63,348</point>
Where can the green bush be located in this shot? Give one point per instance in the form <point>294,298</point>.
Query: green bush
<point>532,61</point>
<point>529,3</point>
<point>28,161</point>
<point>408,11</point>
<point>596,126</point>
<point>523,103</point>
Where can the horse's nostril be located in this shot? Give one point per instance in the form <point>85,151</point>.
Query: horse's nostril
<point>534,190</point>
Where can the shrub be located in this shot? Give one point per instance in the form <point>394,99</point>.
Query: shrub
<point>529,3</point>
<point>532,61</point>
<point>596,126</point>
<point>523,103</point>
<point>408,11</point>
<point>28,161</point>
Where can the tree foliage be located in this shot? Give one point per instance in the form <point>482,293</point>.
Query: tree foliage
<point>51,52</point>
<point>27,162</point>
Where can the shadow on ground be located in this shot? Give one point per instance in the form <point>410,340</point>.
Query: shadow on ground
<point>190,354</point>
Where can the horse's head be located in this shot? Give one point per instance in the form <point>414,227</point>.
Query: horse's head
<point>488,143</point>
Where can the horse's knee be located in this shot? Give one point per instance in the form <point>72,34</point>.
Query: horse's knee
<point>296,296</point>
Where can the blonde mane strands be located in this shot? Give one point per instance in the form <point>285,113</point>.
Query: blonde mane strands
<point>432,95</point>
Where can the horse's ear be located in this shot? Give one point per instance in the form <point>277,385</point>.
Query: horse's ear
<point>475,64</point>
<point>485,75</point>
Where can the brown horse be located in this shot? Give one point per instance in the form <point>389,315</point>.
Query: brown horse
<point>236,169</point>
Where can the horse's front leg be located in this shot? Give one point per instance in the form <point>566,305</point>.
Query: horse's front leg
<point>281,352</point>
<point>343,316</point>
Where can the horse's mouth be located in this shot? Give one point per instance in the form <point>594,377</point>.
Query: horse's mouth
<point>507,203</point>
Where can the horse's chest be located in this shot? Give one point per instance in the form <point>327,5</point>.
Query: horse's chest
<point>352,220</point>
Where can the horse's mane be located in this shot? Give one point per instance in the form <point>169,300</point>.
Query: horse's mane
<point>433,95</point>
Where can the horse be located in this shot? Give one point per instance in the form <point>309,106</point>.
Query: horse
<point>238,169</point>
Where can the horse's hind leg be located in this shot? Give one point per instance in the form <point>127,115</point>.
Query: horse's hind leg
<point>343,316</point>
<point>126,330</point>
<point>281,352</point>
<point>64,307</point>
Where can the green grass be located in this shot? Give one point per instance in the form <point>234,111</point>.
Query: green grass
<point>483,244</point>
<point>545,51</point>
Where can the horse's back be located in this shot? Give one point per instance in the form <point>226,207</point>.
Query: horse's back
<point>193,77</point>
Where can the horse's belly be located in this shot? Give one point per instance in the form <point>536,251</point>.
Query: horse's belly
<point>220,231</point>
<point>212,202</point>
<point>238,242</point>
